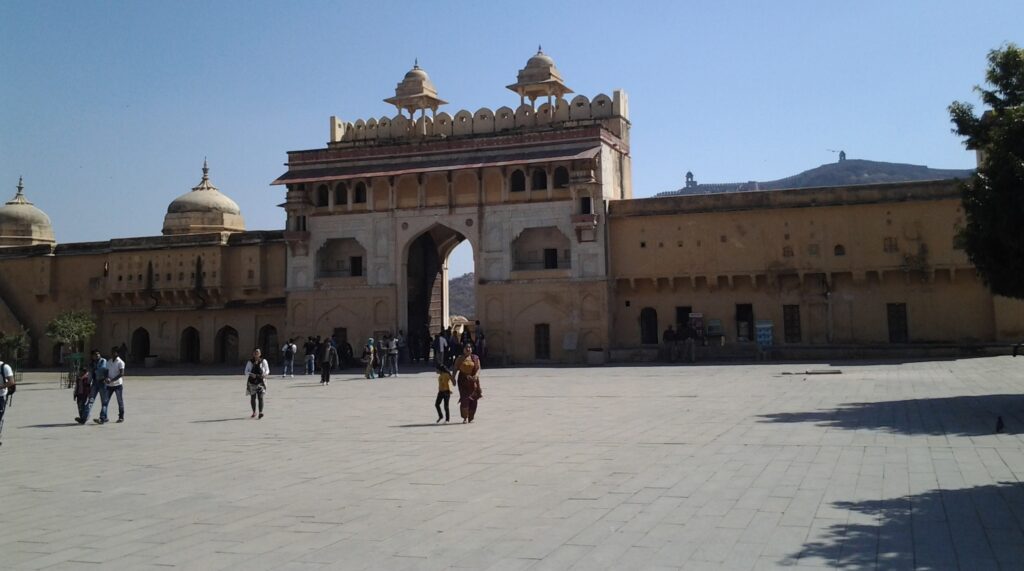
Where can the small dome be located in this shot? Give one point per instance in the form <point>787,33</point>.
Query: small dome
<point>207,201</point>
<point>541,59</point>
<point>417,73</point>
<point>204,209</point>
<point>22,224</point>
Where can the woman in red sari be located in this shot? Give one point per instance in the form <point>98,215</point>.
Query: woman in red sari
<point>468,368</point>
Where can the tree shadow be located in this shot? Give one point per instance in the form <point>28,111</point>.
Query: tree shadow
<point>952,416</point>
<point>969,528</point>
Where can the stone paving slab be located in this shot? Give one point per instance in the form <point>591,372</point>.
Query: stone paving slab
<point>888,466</point>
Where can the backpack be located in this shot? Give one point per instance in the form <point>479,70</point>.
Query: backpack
<point>289,352</point>
<point>3,379</point>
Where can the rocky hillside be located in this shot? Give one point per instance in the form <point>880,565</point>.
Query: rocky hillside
<point>857,171</point>
<point>842,173</point>
<point>461,296</point>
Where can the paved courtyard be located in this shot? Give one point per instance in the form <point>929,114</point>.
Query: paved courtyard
<point>894,466</point>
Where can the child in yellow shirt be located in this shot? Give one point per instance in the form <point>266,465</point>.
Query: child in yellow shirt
<point>444,392</point>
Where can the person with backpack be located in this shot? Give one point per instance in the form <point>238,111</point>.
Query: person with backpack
<point>97,382</point>
<point>256,372</point>
<point>369,357</point>
<point>288,367</point>
<point>6,390</point>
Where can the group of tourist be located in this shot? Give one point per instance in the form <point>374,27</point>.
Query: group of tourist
<point>681,344</point>
<point>452,352</point>
<point>100,377</point>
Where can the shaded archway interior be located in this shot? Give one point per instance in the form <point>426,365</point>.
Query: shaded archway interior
<point>426,280</point>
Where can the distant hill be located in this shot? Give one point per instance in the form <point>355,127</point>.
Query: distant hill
<point>462,296</point>
<point>842,173</point>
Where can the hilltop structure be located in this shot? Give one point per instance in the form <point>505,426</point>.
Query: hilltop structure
<point>568,265</point>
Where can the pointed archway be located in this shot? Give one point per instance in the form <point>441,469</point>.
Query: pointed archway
<point>426,291</point>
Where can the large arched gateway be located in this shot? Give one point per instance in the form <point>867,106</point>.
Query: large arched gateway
<point>526,186</point>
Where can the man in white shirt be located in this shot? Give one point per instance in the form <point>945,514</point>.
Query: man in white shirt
<point>115,386</point>
<point>6,383</point>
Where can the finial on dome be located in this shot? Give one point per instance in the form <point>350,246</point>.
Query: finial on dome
<point>21,187</point>
<point>206,170</point>
<point>416,63</point>
<point>539,49</point>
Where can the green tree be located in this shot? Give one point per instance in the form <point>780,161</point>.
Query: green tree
<point>993,199</point>
<point>14,347</point>
<point>72,328</point>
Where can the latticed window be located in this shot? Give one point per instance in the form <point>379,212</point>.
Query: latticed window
<point>890,245</point>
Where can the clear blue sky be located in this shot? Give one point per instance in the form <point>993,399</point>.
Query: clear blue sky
<point>111,106</point>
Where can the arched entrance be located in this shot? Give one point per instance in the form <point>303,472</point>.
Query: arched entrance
<point>140,345</point>
<point>268,343</point>
<point>188,349</point>
<point>226,346</point>
<point>426,280</point>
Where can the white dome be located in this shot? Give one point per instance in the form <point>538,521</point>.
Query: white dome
<point>203,209</point>
<point>22,224</point>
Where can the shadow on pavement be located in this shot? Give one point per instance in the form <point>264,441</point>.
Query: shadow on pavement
<point>969,528</point>
<point>424,425</point>
<point>955,416</point>
<point>54,425</point>
<point>222,419</point>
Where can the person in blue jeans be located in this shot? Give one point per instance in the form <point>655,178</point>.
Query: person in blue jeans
<point>115,387</point>
<point>288,351</point>
<point>97,378</point>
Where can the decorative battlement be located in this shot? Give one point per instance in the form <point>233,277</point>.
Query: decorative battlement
<point>610,112</point>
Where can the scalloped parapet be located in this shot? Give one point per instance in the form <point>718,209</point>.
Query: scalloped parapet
<point>610,112</point>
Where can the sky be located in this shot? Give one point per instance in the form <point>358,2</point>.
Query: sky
<point>108,108</point>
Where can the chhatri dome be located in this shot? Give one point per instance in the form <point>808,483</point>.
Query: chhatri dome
<point>204,209</point>
<point>22,224</point>
<point>416,92</point>
<point>540,78</point>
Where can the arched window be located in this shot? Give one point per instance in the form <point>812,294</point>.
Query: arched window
<point>561,177</point>
<point>840,250</point>
<point>539,180</point>
<point>322,195</point>
<point>517,182</point>
<point>341,194</point>
<point>360,194</point>
<point>649,326</point>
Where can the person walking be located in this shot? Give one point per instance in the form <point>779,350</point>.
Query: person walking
<point>309,350</point>
<point>115,387</point>
<point>6,390</point>
<point>328,361</point>
<point>444,393</point>
<point>289,350</point>
<point>467,368</point>
<point>369,356</point>
<point>403,351</point>
<point>97,376</point>
<point>256,372</point>
<point>83,386</point>
<point>440,347</point>
<point>392,356</point>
